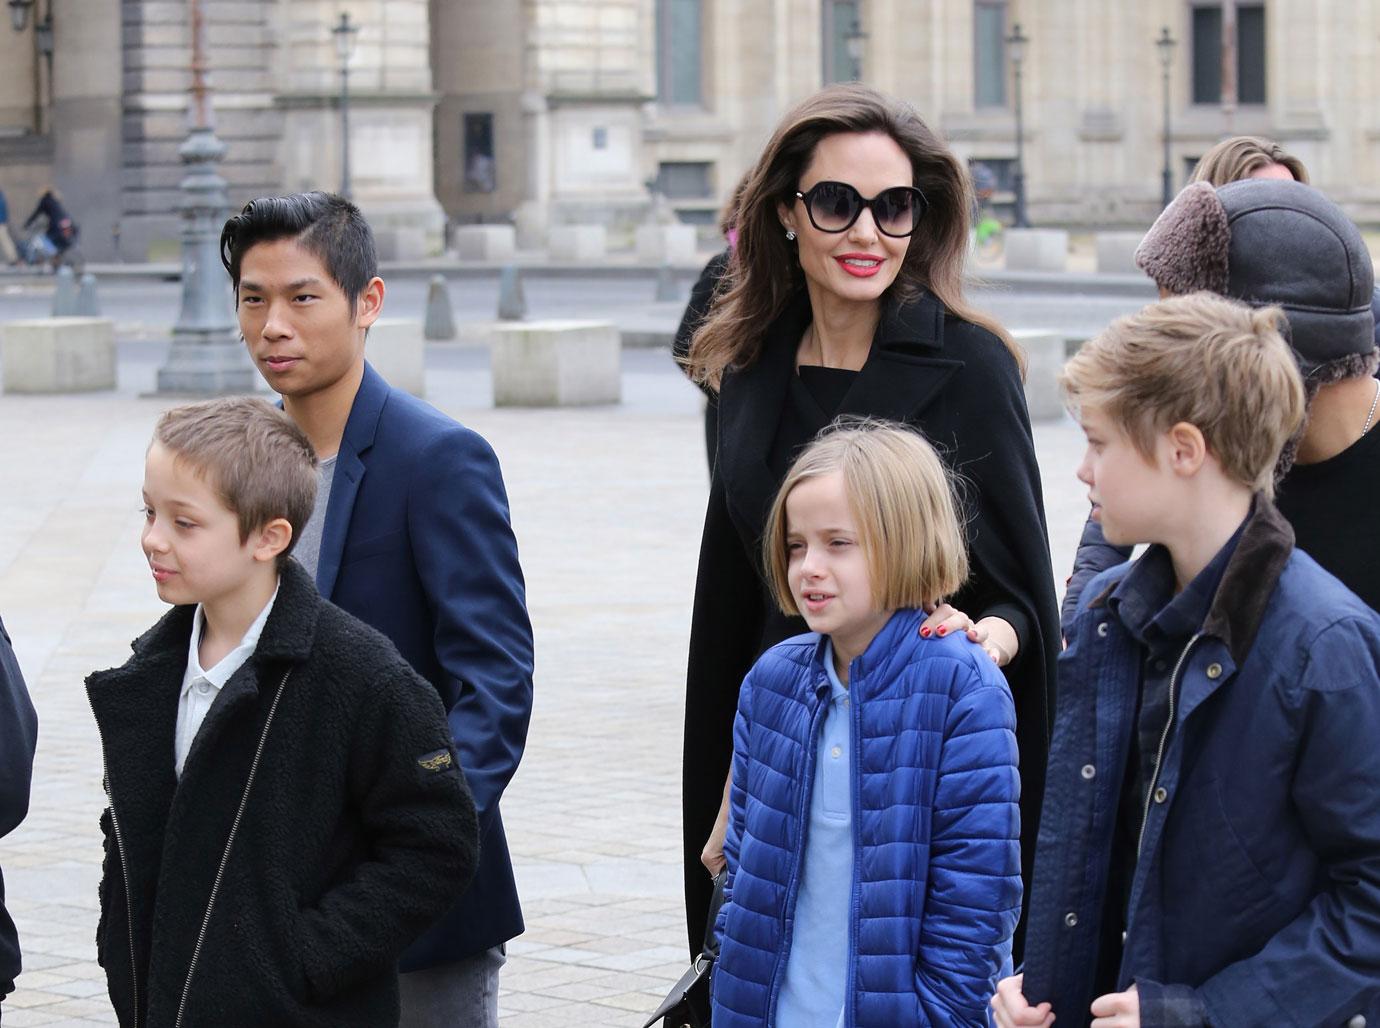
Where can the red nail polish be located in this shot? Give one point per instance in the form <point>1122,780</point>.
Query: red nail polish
<point>942,631</point>
<point>924,633</point>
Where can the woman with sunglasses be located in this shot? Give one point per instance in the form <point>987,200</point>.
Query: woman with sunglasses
<point>844,298</point>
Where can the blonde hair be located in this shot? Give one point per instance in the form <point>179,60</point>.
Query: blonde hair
<point>765,271</point>
<point>1239,157</point>
<point>1214,363</point>
<point>252,454</point>
<point>902,496</point>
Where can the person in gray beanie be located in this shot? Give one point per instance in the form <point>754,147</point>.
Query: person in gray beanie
<point>1284,243</point>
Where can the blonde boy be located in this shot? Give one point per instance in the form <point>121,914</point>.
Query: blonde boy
<point>286,812</point>
<point>1209,851</point>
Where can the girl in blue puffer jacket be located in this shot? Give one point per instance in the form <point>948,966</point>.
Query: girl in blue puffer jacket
<point>872,846</point>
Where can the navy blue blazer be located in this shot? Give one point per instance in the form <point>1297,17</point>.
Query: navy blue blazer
<point>18,733</point>
<point>417,543</point>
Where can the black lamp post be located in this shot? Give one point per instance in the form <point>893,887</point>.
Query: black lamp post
<point>344,33</point>
<point>1166,43</point>
<point>19,13</point>
<point>856,41</point>
<point>1016,43</point>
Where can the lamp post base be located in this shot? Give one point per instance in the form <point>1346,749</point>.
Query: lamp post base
<point>206,364</point>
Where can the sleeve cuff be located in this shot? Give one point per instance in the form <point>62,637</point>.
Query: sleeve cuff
<point>1170,1006</point>
<point>1013,616</point>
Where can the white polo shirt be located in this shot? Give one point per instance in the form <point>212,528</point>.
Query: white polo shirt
<point>200,688</point>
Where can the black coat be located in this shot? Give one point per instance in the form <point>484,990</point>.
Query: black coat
<point>959,385</point>
<point>18,733</point>
<point>357,833</point>
<point>696,311</point>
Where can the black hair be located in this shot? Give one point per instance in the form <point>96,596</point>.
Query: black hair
<point>327,226</point>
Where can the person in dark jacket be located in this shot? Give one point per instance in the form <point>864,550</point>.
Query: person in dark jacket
<point>286,808</point>
<point>846,299</point>
<point>18,735</point>
<point>411,534</point>
<point>60,229</point>
<point>1209,851</point>
<point>1284,242</point>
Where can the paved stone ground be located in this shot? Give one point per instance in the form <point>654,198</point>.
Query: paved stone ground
<point>607,505</point>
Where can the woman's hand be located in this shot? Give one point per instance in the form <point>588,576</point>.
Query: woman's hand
<point>993,634</point>
<point>712,856</point>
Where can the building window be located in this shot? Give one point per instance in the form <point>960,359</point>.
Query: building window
<point>1250,53</point>
<point>989,53</point>
<point>480,173</point>
<point>843,40</point>
<point>679,52</point>
<point>685,180</point>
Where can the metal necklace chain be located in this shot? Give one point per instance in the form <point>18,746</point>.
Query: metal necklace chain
<point>1371,416</point>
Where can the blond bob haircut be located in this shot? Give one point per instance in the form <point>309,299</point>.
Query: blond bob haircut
<point>902,497</point>
<point>253,455</point>
<point>1214,363</point>
<point>1240,157</point>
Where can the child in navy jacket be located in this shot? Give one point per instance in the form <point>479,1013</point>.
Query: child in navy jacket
<point>872,846</point>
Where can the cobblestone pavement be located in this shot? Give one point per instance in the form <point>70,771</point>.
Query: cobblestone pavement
<point>607,505</point>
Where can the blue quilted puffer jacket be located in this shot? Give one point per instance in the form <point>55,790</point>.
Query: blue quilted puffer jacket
<point>936,859</point>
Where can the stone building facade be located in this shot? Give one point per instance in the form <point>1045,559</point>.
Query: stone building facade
<point>571,111</point>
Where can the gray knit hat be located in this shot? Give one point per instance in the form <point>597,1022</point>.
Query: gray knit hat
<point>1273,242</point>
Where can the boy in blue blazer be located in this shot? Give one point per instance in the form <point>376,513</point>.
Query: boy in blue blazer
<point>411,534</point>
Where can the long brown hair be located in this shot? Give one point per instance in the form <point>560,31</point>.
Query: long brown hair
<point>764,272</point>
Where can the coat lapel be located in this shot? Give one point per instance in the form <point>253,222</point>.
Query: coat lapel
<point>905,372</point>
<point>360,429</point>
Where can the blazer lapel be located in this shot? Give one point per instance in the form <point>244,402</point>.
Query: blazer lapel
<point>360,429</point>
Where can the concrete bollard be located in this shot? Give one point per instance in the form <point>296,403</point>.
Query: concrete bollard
<point>667,244</point>
<point>512,304</point>
<point>397,351</point>
<point>88,302</point>
<point>556,364</point>
<point>578,243</point>
<point>65,294</point>
<point>440,319</point>
<point>1044,355</point>
<point>667,290</point>
<point>1037,249</point>
<point>1116,252</point>
<point>58,355</point>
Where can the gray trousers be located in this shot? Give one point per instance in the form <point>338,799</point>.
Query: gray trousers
<point>459,995</point>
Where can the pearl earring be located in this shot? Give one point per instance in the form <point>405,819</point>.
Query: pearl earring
<point>790,236</point>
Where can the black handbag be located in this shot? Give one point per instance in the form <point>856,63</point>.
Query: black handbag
<point>687,1004</point>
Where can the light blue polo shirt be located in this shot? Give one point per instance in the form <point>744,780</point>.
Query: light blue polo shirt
<point>816,983</point>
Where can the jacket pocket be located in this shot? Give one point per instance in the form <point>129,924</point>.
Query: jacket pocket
<point>373,547</point>
<point>1228,877</point>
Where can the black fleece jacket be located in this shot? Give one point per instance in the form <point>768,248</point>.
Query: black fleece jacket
<point>358,830</point>
<point>18,733</point>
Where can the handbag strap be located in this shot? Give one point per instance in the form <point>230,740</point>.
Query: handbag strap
<point>710,948</point>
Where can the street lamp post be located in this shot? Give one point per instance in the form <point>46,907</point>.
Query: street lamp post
<point>1016,43</point>
<point>19,13</point>
<point>344,33</point>
<point>206,356</point>
<point>1166,43</point>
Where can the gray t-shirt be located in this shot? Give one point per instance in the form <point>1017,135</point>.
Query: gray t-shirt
<point>308,549</point>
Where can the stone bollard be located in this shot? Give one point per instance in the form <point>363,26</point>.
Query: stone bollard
<point>666,288</point>
<point>440,319</point>
<point>578,243</point>
<point>1037,249</point>
<point>1116,252</point>
<point>65,294</point>
<point>667,244</point>
<point>512,304</point>
<point>1044,355</point>
<point>58,355</point>
<point>88,302</point>
<point>397,351</point>
<point>492,243</point>
<point>556,364</point>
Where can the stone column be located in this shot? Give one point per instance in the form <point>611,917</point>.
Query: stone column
<point>391,104</point>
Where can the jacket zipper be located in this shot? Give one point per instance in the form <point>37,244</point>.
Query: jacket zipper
<point>802,814</point>
<point>124,867</point>
<point>1164,739</point>
<point>225,856</point>
<point>854,819</point>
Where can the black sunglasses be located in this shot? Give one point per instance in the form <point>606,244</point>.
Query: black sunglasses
<point>834,206</point>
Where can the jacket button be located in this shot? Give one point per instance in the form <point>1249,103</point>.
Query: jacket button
<point>1359,1021</point>
<point>1161,794</point>
<point>1071,919</point>
<point>1088,772</point>
<point>1214,670</point>
<point>1102,629</point>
